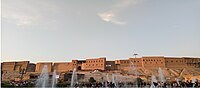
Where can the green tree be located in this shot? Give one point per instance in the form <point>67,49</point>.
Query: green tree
<point>92,80</point>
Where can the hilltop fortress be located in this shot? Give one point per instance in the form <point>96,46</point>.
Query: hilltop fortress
<point>11,70</point>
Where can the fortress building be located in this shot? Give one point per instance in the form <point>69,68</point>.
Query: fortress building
<point>91,64</point>
<point>94,64</point>
<point>15,66</point>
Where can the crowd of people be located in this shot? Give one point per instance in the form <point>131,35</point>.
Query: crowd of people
<point>174,84</point>
<point>141,84</point>
<point>13,83</point>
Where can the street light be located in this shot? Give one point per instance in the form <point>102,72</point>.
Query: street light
<point>135,55</point>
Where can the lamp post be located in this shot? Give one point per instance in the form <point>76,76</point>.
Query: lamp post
<point>135,55</point>
<point>136,73</point>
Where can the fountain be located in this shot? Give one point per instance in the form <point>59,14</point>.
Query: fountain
<point>43,79</point>
<point>54,79</point>
<point>193,81</point>
<point>177,80</point>
<point>135,72</point>
<point>114,80</point>
<point>153,80</point>
<point>107,80</point>
<point>74,78</point>
<point>161,76</point>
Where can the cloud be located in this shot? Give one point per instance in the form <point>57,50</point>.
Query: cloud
<point>19,20</point>
<point>124,3</point>
<point>27,13</point>
<point>111,15</point>
<point>18,16</point>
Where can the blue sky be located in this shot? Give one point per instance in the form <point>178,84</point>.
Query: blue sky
<point>52,30</point>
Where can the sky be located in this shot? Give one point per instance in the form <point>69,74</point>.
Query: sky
<point>62,30</point>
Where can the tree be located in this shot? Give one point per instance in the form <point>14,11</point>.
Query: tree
<point>92,80</point>
<point>138,81</point>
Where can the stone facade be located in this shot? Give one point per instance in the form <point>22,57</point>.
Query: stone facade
<point>31,67</point>
<point>94,64</point>
<point>122,64</point>
<point>136,62</point>
<point>8,66</point>
<point>175,62</point>
<point>15,66</point>
<point>39,66</point>
<point>63,66</point>
<point>110,65</point>
<point>192,62</point>
<point>11,70</point>
<point>151,62</point>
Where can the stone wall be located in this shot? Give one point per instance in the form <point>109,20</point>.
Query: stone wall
<point>63,66</point>
<point>136,62</point>
<point>153,62</point>
<point>39,66</point>
<point>122,64</point>
<point>94,64</point>
<point>110,65</point>
<point>8,66</point>
<point>173,62</point>
<point>31,67</point>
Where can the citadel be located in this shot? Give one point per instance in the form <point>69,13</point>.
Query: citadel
<point>145,67</point>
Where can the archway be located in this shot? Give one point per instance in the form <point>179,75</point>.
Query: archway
<point>79,67</point>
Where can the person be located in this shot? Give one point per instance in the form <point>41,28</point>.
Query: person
<point>155,84</point>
